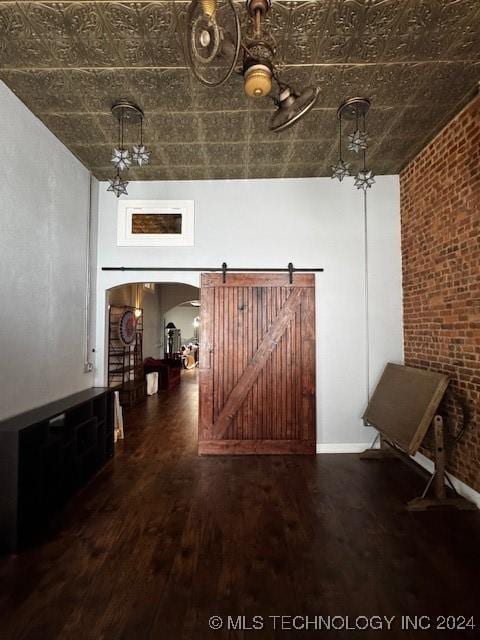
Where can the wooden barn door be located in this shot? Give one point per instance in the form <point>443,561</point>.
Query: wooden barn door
<point>257,364</point>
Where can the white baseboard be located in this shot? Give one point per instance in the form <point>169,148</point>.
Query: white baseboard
<point>342,447</point>
<point>357,447</point>
<point>462,488</point>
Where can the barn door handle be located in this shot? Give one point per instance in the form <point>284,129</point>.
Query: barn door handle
<point>210,349</point>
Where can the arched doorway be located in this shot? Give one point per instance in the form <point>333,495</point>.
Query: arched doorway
<point>153,309</point>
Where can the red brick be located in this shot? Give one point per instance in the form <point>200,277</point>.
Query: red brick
<point>440,210</point>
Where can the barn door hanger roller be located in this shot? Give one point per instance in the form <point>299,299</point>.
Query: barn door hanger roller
<point>290,269</point>
<point>216,47</point>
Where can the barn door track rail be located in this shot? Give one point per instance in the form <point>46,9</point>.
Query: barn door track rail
<point>224,269</point>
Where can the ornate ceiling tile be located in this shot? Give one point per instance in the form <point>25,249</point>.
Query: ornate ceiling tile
<point>226,153</point>
<point>265,171</point>
<point>17,43</point>
<point>318,125</point>
<point>184,154</point>
<point>320,152</point>
<point>96,90</point>
<point>227,97</point>
<point>149,172</point>
<point>436,30</point>
<point>42,90</point>
<point>448,83</point>
<point>74,130</point>
<point>380,82</point>
<point>23,53</point>
<point>258,127</point>
<point>160,27</point>
<point>305,32</point>
<point>305,170</point>
<point>232,172</point>
<point>222,126</point>
<point>70,61</point>
<point>189,173</point>
<point>161,126</point>
<point>95,155</point>
<point>268,153</point>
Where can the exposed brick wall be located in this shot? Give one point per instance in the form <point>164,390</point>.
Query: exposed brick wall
<point>440,209</point>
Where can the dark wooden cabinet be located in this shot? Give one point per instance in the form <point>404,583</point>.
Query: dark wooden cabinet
<point>46,454</point>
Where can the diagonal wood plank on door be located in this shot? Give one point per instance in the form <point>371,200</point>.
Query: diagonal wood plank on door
<point>257,363</point>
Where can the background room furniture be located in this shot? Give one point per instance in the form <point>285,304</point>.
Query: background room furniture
<point>175,360</point>
<point>174,339</point>
<point>168,376</point>
<point>152,383</point>
<point>125,346</point>
<point>118,417</point>
<point>45,455</point>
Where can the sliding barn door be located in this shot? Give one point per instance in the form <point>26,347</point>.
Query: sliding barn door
<point>257,364</point>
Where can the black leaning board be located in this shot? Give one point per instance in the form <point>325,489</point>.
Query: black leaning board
<point>404,403</point>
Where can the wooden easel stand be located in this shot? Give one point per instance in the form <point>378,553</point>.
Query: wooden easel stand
<point>440,500</point>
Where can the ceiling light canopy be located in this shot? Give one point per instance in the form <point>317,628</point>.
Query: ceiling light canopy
<point>216,47</point>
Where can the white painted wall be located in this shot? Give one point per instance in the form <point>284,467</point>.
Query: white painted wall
<point>152,325</point>
<point>44,195</point>
<point>182,318</point>
<point>268,223</point>
<point>172,295</point>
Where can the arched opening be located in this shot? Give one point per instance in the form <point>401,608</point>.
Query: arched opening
<point>152,333</point>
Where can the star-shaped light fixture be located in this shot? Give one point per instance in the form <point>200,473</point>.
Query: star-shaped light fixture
<point>121,159</point>
<point>340,170</point>
<point>357,141</point>
<point>364,179</point>
<point>118,186</point>
<point>140,155</point>
<point>355,109</point>
<point>127,113</point>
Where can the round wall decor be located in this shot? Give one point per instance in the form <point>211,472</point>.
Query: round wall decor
<point>127,327</point>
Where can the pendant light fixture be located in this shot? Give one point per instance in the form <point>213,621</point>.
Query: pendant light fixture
<point>118,186</point>
<point>354,109</point>
<point>219,45</point>
<point>127,113</point>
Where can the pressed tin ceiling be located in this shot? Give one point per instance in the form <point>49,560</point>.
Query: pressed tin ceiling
<point>417,60</point>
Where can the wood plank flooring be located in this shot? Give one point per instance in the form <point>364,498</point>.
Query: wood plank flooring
<point>162,539</point>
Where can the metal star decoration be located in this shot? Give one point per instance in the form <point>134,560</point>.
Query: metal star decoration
<point>121,159</point>
<point>364,179</point>
<point>118,186</point>
<point>340,170</point>
<point>357,141</point>
<point>140,155</point>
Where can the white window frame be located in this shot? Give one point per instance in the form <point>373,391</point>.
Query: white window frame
<point>126,208</point>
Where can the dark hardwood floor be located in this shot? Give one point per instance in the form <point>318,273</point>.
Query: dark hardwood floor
<point>161,540</point>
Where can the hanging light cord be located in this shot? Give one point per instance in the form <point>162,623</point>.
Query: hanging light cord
<point>367,310</point>
<point>340,136</point>
<point>365,149</point>
<point>119,136</point>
